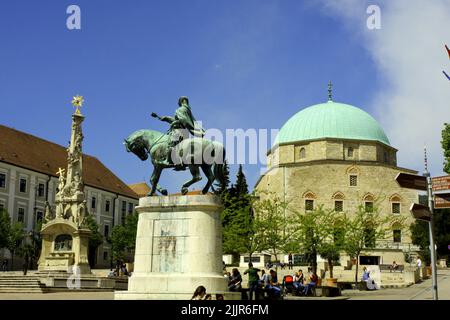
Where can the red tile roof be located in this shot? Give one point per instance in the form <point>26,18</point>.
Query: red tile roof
<point>141,189</point>
<point>27,151</point>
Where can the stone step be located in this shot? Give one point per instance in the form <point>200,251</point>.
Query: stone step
<point>22,290</point>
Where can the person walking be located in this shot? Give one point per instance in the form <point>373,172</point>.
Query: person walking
<point>253,280</point>
<point>4,265</point>
<point>290,261</point>
<point>26,261</point>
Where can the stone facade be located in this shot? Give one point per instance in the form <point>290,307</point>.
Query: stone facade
<point>341,174</point>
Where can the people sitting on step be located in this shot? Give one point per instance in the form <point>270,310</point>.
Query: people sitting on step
<point>272,288</point>
<point>200,294</point>
<point>394,266</point>
<point>312,282</point>
<point>235,282</point>
<point>370,283</point>
<point>299,281</point>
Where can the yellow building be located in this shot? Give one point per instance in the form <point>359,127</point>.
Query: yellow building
<point>337,155</point>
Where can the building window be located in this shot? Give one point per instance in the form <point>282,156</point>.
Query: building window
<point>353,180</point>
<point>369,206</point>
<point>386,157</point>
<point>350,152</point>
<point>309,205</point>
<point>21,215</point>
<point>2,180</point>
<point>130,208</point>
<point>107,204</point>
<point>93,203</point>
<point>41,190</point>
<point>339,206</point>
<point>2,206</point>
<point>396,207</point>
<point>23,185</point>
<point>106,231</point>
<point>397,235</point>
<point>105,255</point>
<point>124,212</point>
<point>302,153</point>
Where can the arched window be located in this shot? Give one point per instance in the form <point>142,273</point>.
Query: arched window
<point>302,153</point>
<point>338,198</point>
<point>397,232</point>
<point>353,173</point>
<point>63,242</point>
<point>309,200</point>
<point>395,204</point>
<point>368,202</point>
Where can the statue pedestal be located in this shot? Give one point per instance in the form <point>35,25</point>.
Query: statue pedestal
<point>65,254</point>
<point>178,248</point>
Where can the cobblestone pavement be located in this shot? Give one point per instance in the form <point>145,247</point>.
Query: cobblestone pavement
<point>420,291</point>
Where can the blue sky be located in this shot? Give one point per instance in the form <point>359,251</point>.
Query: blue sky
<point>243,64</point>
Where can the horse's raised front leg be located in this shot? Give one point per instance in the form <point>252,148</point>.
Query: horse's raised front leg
<point>195,178</point>
<point>210,175</point>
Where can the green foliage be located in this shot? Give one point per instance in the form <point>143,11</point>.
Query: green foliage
<point>237,218</point>
<point>319,232</point>
<point>123,237</point>
<point>445,143</point>
<point>223,186</point>
<point>420,234</point>
<point>241,183</point>
<point>5,226</point>
<point>271,225</point>
<point>96,238</point>
<point>363,229</point>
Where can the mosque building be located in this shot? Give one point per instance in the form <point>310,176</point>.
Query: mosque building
<point>337,155</point>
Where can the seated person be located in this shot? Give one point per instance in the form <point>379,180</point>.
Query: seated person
<point>394,266</point>
<point>273,287</point>
<point>371,285</point>
<point>235,282</point>
<point>299,281</point>
<point>112,273</point>
<point>312,282</point>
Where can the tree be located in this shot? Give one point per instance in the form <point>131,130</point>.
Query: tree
<point>237,218</point>
<point>123,237</point>
<point>241,183</point>
<point>15,237</point>
<point>363,229</point>
<point>272,228</point>
<point>318,232</point>
<point>224,185</point>
<point>5,225</point>
<point>95,239</point>
<point>445,142</point>
<point>420,237</point>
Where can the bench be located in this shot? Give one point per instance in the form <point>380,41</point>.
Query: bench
<point>388,267</point>
<point>328,291</point>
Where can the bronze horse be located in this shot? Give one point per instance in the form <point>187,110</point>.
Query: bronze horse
<point>193,153</point>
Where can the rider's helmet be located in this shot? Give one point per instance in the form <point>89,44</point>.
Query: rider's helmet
<point>180,100</point>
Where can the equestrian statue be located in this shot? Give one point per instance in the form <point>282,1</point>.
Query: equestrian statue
<point>181,147</point>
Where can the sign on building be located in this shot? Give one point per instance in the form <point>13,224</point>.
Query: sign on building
<point>441,190</point>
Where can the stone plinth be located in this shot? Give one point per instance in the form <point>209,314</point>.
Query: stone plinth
<point>64,259</point>
<point>178,247</point>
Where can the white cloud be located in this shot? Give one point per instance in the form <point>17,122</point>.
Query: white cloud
<point>409,52</point>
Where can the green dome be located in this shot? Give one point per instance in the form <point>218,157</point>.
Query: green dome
<point>331,120</point>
